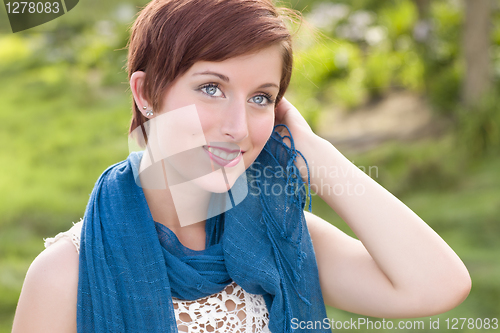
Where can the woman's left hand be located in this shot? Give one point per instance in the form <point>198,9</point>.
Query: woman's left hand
<point>305,140</point>
<point>287,114</point>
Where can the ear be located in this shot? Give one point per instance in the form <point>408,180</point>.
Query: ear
<point>136,86</point>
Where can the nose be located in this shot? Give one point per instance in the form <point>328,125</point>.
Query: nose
<point>234,121</point>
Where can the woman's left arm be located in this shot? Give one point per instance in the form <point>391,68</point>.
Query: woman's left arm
<point>399,267</point>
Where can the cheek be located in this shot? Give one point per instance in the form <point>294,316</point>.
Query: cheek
<point>261,130</point>
<point>208,117</point>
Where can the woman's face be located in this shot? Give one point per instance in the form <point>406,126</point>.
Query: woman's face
<point>232,103</point>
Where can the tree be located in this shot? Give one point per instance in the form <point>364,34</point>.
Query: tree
<point>476,46</point>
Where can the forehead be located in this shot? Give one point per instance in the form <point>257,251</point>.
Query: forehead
<point>262,65</point>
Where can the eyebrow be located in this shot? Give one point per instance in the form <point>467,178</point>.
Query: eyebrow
<point>226,79</point>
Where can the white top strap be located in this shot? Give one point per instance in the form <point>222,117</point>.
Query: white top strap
<point>73,234</point>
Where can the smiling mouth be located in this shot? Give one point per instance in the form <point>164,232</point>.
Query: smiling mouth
<point>224,156</point>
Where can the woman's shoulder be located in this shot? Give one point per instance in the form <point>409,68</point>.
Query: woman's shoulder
<point>56,266</point>
<point>49,294</point>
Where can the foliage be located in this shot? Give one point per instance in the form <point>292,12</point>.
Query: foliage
<point>360,55</point>
<point>478,127</point>
<point>66,112</point>
<point>463,208</point>
<point>57,92</point>
<point>382,46</point>
<point>442,55</point>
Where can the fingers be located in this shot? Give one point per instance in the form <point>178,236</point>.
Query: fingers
<point>281,110</point>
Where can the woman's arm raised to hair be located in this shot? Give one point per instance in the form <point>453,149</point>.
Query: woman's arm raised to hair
<point>48,298</point>
<point>399,267</point>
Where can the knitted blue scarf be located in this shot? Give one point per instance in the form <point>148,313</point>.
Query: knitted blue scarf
<point>131,267</point>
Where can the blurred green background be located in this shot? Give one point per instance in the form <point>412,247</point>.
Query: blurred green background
<point>408,90</point>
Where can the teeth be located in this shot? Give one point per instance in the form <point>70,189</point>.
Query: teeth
<point>222,154</point>
<point>216,152</point>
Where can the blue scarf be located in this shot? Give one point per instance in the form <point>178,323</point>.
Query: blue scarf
<point>131,267</point>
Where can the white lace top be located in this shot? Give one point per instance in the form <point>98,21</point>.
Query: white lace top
<point>231,310</point>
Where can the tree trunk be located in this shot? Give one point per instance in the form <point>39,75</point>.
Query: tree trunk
<point>423,8</point>
<point>476,47</point>
<point>422,29</point>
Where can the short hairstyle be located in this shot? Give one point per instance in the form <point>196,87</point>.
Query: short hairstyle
<point>169,36</point>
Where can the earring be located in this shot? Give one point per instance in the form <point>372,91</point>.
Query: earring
<point>148,113</point>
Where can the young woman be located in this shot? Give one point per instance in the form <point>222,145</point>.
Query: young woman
<point>208,79</point>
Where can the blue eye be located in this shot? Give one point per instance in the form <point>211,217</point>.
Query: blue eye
<point>263,99</point>
<point>258,99</point>
<point>212,90</point>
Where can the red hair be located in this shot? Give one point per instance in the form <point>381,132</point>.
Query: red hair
<point>169,36</point>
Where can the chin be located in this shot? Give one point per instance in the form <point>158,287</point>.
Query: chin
<point>220,181</point>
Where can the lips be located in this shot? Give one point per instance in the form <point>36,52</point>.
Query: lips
<point>224,156</point>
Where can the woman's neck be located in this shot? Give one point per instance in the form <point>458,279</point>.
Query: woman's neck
<point>164,211</point>
<point>182,208</point>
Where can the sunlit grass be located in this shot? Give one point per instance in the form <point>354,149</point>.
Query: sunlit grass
<point>466,215</point>
<point>55,141</point>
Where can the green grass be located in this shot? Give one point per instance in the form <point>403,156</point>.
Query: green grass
<point>57,135</point>
<point>56,138</point>
<point>465,214</point>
